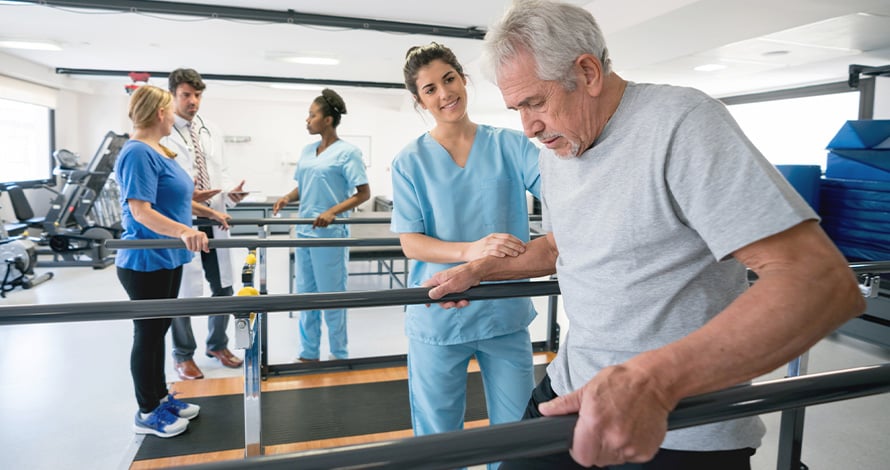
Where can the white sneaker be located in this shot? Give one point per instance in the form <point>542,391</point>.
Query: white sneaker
<point>180,408</point>
<point>160,422</point>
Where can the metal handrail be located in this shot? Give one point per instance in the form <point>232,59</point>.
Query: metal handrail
<point>259,243</point>
<point>871,267</point>
<point>291,221</point>
<point>551,435</point>
<point>310,221</point>
<point>168,308</point>
<point>254,243</point>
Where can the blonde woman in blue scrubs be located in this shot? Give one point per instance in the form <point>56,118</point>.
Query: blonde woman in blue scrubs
<point>331,181</point>
<point>459,193</point>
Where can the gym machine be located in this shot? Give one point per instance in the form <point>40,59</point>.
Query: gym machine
<point>87,210</point>
<point>18,256</point>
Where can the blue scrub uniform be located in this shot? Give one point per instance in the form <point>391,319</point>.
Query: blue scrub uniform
<point>324,181</point>
<point>434,196</point>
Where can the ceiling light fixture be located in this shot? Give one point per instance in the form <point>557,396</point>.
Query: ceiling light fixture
<point>709,68</point>
<point>296,86</point>
<point>30,45</point>
<point>303,60</point>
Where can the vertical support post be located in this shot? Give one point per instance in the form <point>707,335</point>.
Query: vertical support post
<point>262,326</point>
<point>253,410</point>
<point>552,324</point>
<point>292,267</point>
<point>791,427</point>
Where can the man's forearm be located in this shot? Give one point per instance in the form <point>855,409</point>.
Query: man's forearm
<point>538,260</point>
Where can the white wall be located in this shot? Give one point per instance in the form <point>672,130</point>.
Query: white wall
<point>882,98</point>
<point>277,132</point>
<point>273,119</point>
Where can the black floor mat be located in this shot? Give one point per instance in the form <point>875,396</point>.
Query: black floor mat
<point>304,415</point>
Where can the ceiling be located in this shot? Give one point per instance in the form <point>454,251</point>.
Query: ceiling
<point>763,44</point>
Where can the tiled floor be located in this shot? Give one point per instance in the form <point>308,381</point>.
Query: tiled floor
<point>66,397</point>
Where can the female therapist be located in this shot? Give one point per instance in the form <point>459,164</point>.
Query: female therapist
<point>331,181</point>
<point>460,194</point>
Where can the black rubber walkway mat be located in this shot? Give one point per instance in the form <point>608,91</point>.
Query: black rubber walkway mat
<point>304,415</point>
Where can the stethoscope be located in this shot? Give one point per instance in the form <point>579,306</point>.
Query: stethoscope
<point>204,137</point>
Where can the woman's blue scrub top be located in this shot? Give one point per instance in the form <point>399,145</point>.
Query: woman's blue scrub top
<point>326,180</point>
<point>432,195</point>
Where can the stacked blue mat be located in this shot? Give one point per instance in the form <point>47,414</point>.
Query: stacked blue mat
<point>854,196</point>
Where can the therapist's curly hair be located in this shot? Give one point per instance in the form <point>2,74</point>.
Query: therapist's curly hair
<point>418,57</point>
<point>331,104</point>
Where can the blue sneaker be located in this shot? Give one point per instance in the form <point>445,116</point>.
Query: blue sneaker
<point>160,422</point>
<point>180,408</point>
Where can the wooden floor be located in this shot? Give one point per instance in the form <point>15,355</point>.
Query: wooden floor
<point>235,385</point>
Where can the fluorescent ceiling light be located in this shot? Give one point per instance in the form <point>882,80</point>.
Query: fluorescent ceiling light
<point>296,86</point>
<point>310,60</point>
<point>302,57</point>
<point>709,68</point>
<point>30,45</point>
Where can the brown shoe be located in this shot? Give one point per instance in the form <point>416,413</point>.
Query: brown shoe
<point>188,370</point>
<point>226,358</point>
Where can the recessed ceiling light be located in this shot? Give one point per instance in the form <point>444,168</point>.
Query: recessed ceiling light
<point>302,57</point>
<point>709,68</point>
<point>304,60</point>
<point>30,45</point>
<point>296,86</point>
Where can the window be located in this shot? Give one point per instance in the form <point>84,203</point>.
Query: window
<point>795,131</point>
<point>26,131</point>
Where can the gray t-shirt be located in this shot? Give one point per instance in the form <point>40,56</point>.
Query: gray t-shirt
<point>646,221</point>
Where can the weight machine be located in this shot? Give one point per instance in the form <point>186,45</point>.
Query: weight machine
<point>87,210</point>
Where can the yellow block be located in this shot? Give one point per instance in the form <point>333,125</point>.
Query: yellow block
<point>248,291</point>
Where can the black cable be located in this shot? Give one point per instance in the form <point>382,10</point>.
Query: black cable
<point>3,288</point>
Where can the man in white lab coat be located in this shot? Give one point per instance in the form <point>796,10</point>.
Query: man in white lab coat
<point>195,143</point>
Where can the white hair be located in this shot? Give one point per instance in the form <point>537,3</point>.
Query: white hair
<point>554,33</point>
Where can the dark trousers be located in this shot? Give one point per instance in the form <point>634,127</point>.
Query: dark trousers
<point>147,355</point>
<point>184,344</point>
<point>665,459</point>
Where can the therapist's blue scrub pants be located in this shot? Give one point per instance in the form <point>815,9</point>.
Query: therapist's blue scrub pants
<point>322,270</point>
<point>437,380</point>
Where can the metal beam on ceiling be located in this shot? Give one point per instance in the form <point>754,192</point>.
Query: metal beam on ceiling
<point>236,78</point>
<point>855,70</point>
<point>271,16</point>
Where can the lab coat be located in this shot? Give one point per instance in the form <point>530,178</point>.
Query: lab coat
<point>179,141</point>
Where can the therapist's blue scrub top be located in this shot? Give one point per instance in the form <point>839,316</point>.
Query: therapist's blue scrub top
<point>326,180</point>
<point>144,174</point>
<point>432,195</point>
